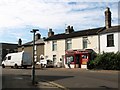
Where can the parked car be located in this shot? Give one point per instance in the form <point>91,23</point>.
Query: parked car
<point>50,64</point>
<point>46,63</point>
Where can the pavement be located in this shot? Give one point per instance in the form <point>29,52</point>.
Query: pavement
<point>85,70</point>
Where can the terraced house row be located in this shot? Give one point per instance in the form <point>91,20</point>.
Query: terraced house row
<point>76,46</point>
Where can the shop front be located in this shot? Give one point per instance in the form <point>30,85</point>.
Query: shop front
<point>77,58</point>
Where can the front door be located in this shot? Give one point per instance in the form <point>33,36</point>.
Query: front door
<point>78,60</point>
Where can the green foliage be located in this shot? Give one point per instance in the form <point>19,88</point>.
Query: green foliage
<point>106,61</point>
<point>90,64</point>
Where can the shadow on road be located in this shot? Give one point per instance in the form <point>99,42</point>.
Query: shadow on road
<point>51,78</point>
<point>21,82</point>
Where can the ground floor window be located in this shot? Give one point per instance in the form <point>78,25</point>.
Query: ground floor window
<point>69,59</point>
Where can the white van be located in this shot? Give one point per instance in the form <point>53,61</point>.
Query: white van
<point>20,59</point>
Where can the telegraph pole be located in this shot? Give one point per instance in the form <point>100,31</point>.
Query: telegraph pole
<point>33,63</point>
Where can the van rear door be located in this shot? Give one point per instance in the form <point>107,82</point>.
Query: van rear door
<point>26,59</point>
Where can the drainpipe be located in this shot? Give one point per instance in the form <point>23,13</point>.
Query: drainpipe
<point>99,38</point>
<point>98,42</point>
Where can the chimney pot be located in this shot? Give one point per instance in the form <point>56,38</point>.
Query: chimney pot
<point>50,33</point>
<point>69,29</point>
<point>37,36</point>
<point>19,42</point>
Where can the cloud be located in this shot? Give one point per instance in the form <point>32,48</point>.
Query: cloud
<point>43,14</point>
<point>23,15</point>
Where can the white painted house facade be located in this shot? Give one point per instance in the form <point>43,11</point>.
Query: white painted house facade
<point>110,40</point>
<point>110,36</point>
<point>56,45</point>
<point>101,39</point>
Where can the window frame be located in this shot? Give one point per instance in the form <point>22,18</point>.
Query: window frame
<point>68,44</point>
<point>54,45</point>
<point>110,40</point>
<point>85,42</point>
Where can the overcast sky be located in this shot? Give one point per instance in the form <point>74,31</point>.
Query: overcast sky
<point>19,17</point>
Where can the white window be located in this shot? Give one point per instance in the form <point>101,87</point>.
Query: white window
<point>110,40</point>
<point>85,42</point>
<point>68,44</point>
<point>54,45</point>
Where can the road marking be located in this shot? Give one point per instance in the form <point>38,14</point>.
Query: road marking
<point>57,85</point>
<point>20,78</point>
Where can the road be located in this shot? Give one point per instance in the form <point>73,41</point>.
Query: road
<point>70,79</point>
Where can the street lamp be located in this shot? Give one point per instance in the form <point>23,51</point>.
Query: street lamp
<point>33,64</point>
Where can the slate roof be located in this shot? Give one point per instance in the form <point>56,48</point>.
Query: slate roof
<point>37,42</point>
<point>111,30</point>
<point>87,32</point>
<point>8,44</point>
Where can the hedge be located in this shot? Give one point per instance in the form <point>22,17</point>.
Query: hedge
<point>106,61</point>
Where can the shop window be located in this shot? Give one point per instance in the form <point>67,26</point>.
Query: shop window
<point>69,58</point>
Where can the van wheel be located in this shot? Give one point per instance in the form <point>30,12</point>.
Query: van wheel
<point>16,66</point>
<point>25,67</point>
<point>3,66</point>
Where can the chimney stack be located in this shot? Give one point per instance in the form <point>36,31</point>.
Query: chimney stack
<point>50,33</point>
<point>107,18</point>
<point>37,36</point>
<point>69,30</point>
<point>19,42</point>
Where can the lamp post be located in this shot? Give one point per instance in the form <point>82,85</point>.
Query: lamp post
<point>33,64</point>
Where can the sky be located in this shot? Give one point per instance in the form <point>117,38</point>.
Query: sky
<point>19,17</point>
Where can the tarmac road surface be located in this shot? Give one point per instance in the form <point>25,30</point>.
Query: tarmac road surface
<point>60,79</point>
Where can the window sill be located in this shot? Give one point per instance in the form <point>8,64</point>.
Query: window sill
<point>111,46</point>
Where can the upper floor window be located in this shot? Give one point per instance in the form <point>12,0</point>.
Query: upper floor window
<point>110,40</point>
<point>85,42</point>
<point>68,44</point>
<point>54,45</point>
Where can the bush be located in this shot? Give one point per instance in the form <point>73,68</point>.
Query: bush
<point>106,61</point>
<point>90,64</point>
